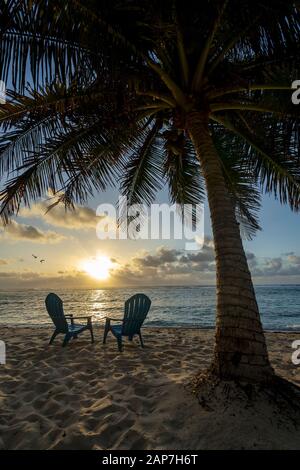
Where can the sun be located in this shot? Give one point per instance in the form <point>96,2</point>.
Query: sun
<point>98,268</point>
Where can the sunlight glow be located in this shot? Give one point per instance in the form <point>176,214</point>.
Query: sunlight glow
<point>98,268</point>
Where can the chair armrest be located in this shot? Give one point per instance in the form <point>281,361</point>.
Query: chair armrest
<point>88,318</point>
<point>114,319</point>
<point>85,316</point>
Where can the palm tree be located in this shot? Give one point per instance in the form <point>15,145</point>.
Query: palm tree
<point>195,95</point>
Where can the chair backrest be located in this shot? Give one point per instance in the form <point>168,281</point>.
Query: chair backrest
<point>54,306</point>
<point>136,309</point>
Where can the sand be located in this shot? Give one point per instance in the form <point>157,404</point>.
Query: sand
<point>93,397</point>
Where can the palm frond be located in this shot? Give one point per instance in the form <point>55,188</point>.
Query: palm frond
<point>27,121</point>
<point>115,75</point>
<point>273,155</point>
<point>242,183</point>
<point>182,170</point>
<point>143,167</point>
<point>41,37</point>
<point>75,147</point>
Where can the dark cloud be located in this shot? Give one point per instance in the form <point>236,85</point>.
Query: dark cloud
<point>252,260</point>
<point>273,266</point>
<point>17,231</point>
<point>29,279</point>
<point>206,255</point>
<point>162,256</point>
<point>5,274</point>
<point>288,265</point>
<point>81,218</point>
<point>170,265</point>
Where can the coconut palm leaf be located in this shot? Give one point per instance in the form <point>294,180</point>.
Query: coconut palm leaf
<point>242,182</point>
<point>143,167</point>
<point>273,155</point>
<point>182,169</point>
<point>151,62</point>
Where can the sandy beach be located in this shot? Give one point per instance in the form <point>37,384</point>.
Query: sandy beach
<point>89,396</point>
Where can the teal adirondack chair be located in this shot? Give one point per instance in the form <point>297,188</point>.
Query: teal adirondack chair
<point>135,312</point>
<point>54,306</point>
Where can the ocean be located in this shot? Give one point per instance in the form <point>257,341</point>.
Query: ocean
<point>171,306</point>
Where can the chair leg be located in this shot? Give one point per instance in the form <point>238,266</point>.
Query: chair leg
<point>55,333</point>
<point>141,340</point>
<point>119,339</point>
<point>106,330</point>
<point>66,340</point>
<point>92,334</point>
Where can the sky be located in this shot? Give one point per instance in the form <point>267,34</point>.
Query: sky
<point>75,258</point>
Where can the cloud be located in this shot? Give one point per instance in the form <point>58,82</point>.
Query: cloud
<point>29,279</point>
<point>17,231</point>
<point>294,260</point>
<point>165,266</point>
<point>82,218</point>
<point>252,260</point>
<point>5,274</point>
<point>163,255</point>
<point>169,266</point>
<point>272,266</point>
<point>283,266</point>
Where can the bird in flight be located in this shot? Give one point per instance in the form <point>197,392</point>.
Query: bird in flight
<point>42,260</point>
<point>35,257</point>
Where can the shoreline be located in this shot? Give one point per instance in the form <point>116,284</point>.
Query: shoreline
<point>150,327</point>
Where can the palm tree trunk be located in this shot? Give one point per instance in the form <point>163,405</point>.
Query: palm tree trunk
<point>240,347</point>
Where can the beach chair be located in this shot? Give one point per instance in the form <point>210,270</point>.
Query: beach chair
<point>135,312</point>
<point>54,306</point>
